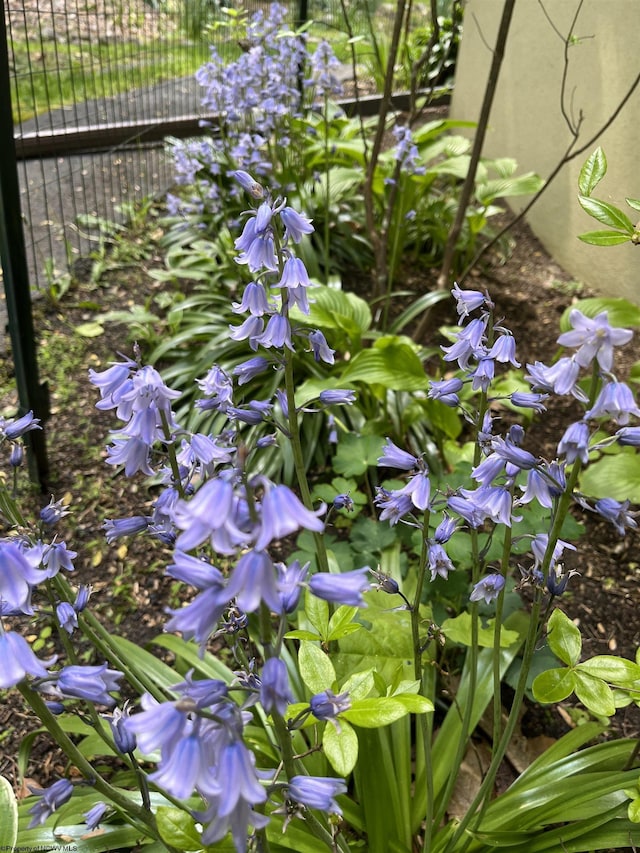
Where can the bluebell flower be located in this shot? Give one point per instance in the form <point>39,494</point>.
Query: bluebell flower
<point>276,334</point>
<point>207,693</point>
<point>67,616</point>
<point>561,378</point>
<point>320,348</point>
<point>283,513</point>
<point>254,300</point>
<point>327,705</point>
<point>123,737</point>
<point>275,692</point>
<point>491,467</point>
<point>469,343</point>
<point>248,183</point>
<point>539,545</point>
<point>345,588</point>
<point>290,582</point>
<point>17,660</point>
<point>195,571</point>
<point>17,576</point>
<point>385,583</point>
<point>237,769</point>
<point>504,350</point>
<point>483,374</point>
<point>53,512</point>
<point>296,224</point>
<point>337,397</point>
<point>445,530</point>
<point>160,725</point>
<point>574,444</point>
<point>439,561</point>
<point>617,513</point>
<point>537,488</point>
<point>82,597</point>
<point>94,816</point>
<point>526,400</point>
<point>51,799</point>
<point>488,588</point>
<point>248,370</point>
<point>116,527</point>
<point>253,581</point>
<point>445,390</point>
<point>628,436</point>
<point>236,821</point>
<point>17,427</point>
<point>419,490</point>
<point>317,792</point>
<point>92,683</point>
<point>209,509</point>
<point>509,451</point>
<point>557,580</point>
<point>469,300</point>
<point>133,453</point>
<point>16,457</point>
<point>594,338</point>
<point>395,504</point>
<point>615,401</point>
<point>187,766</point>
<point>217,385</point>
<point>257,248</point>
<point>394,457</point>
<point>344,501</point>
<point>494,501</point>
<point>467,509</point>
<point>199,619</point>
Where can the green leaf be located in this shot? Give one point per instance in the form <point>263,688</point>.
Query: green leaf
<point>336,309</point>
<point>613,670</point>
<point>178,829</point>
<point>374,712</point>
<point>633,202</point>
<point>554,685</point>
<point>564,638</point>
<point>341,619</point>
<point>394,365</point>
<point>357,453</point>
<point>316,668</point>
<point>359,685</point>
<point>604,238</point>
<point>317,612</point>
<point>606,213</point>
<point>633,811</point>
<point>592,172</point>
<point>89,330</point>
<point>616,477</point>
<point>594,694</point>
<point>418,306</point>
<point>458,630</point>
<point>8,815</point>
<point>340,747</point>
<point>302,635</point>
<point>415,704</point>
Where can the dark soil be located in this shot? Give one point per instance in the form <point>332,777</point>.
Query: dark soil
<point>530,291</point>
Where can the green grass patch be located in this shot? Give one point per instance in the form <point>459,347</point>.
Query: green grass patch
<point>52,75</point>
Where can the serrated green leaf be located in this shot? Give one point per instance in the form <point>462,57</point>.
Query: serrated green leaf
<point>316,668</point>
<point>606,213</point>
<point>592,172</point>
<point>554,685</point>
<point>604,238</point>
<point>594,694</point>
<point>564,638</point>
<point>8,815</point>
<point>178,828</point>
<point>340,747</point>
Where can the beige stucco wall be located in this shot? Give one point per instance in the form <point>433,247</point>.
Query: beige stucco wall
<point>526,120</point>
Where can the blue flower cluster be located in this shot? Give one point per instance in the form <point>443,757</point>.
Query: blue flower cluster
<point>508,476</point>
<point>256,99</point>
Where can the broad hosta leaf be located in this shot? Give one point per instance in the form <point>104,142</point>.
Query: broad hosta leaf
<point>606,213</point>
<point>554,685</point>
<point>458,630</point>
<point>336,309</point>
<point>564,638</point>
<point>394,365</point>
<point>615,477</point>
<point>604,238</point>
<point>620,312</point>
<point>592,172</point>
<point>340,747</point>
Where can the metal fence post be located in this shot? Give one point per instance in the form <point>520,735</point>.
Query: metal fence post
<point>31,393</point>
